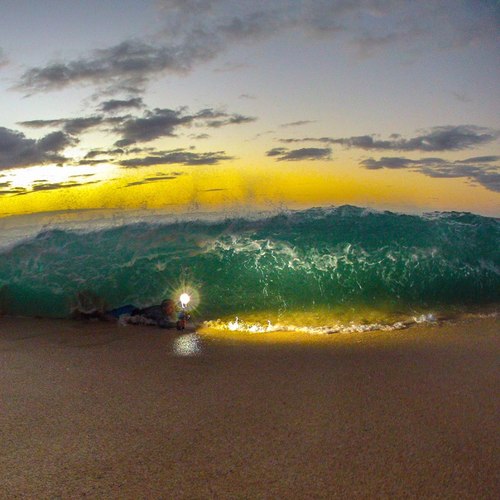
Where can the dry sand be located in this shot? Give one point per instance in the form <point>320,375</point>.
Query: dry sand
<point>103,411</point>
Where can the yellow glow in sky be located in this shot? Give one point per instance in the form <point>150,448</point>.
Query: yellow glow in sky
<point>223,187</point>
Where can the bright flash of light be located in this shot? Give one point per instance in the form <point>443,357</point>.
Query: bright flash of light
<point>184,299</point>
<point>186,295</point>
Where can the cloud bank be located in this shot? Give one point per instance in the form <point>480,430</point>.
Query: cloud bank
<point>198,31</point>
<point>483,170</point>
<point>442,138</point>
<point>153,124</point>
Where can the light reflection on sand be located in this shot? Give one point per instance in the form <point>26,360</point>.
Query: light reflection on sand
<point>187,345</point>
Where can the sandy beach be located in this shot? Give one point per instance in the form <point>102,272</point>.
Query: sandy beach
<point>102,411</point>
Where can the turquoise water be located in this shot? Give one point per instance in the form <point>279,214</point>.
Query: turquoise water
<point>337,260</point>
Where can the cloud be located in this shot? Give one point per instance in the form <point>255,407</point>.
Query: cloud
<point>277,152</point>
<point>73,126</point>
<point>113,105</point>
<point>16,150</point>
<point>153,124</point>
<point>124,67</point>
<point>482,159</point>
<point>156,123</point>
<point>52,186</point>
<point>284,154</point>
<point>232,120</point>
<point>43,185</point>
<point>177,156</point>
<point>158,178</point>
<point>297,123</point>
<point>14,191</point>
<point>480,170</point>
<point>443,138</point>
<point>196,31</point>
<point>93,153</point>
<point>76,176</point>
<point>165,122</point>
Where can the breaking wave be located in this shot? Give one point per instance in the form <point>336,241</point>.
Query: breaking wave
<point>320,262</point>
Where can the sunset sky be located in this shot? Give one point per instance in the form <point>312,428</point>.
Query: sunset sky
<point>222,104</point>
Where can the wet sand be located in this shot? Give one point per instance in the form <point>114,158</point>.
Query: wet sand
<point>102,411</point>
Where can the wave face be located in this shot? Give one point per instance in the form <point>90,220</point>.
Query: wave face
<point>316,259</point>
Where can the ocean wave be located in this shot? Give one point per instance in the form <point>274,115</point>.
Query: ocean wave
<point>326,258</point>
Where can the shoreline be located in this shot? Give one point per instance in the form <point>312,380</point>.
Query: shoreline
<point>137,412</point>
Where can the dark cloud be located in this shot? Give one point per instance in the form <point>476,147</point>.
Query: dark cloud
<point>81,175</point>
<point>156,123</point>
<point>73,126</point>
<point>125,67</point>
<point>91,163</point>
<point>482,159</point>
<point>283,154</point>
<point>216,119</point>
<point>385,162</point>
<point>100,156</point>
<point>93,153</point>
<point>52,186</point>
<point>153,124</point>
<point>42,185</point>
<point>323,140</point>
<point>164,123</point>
<point>196,31</point>
<point>480,170</point>
<point>444,138</point>
<point>177,156</point>
<point>42,123</point>
<point>117,105</point>
<point>76,126</point>
<point>14,191</point>
<point>16,150</point>
<point>297,123</point>
<point>232,120</point>
<point>276,152</point>
<point>158,178</point>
